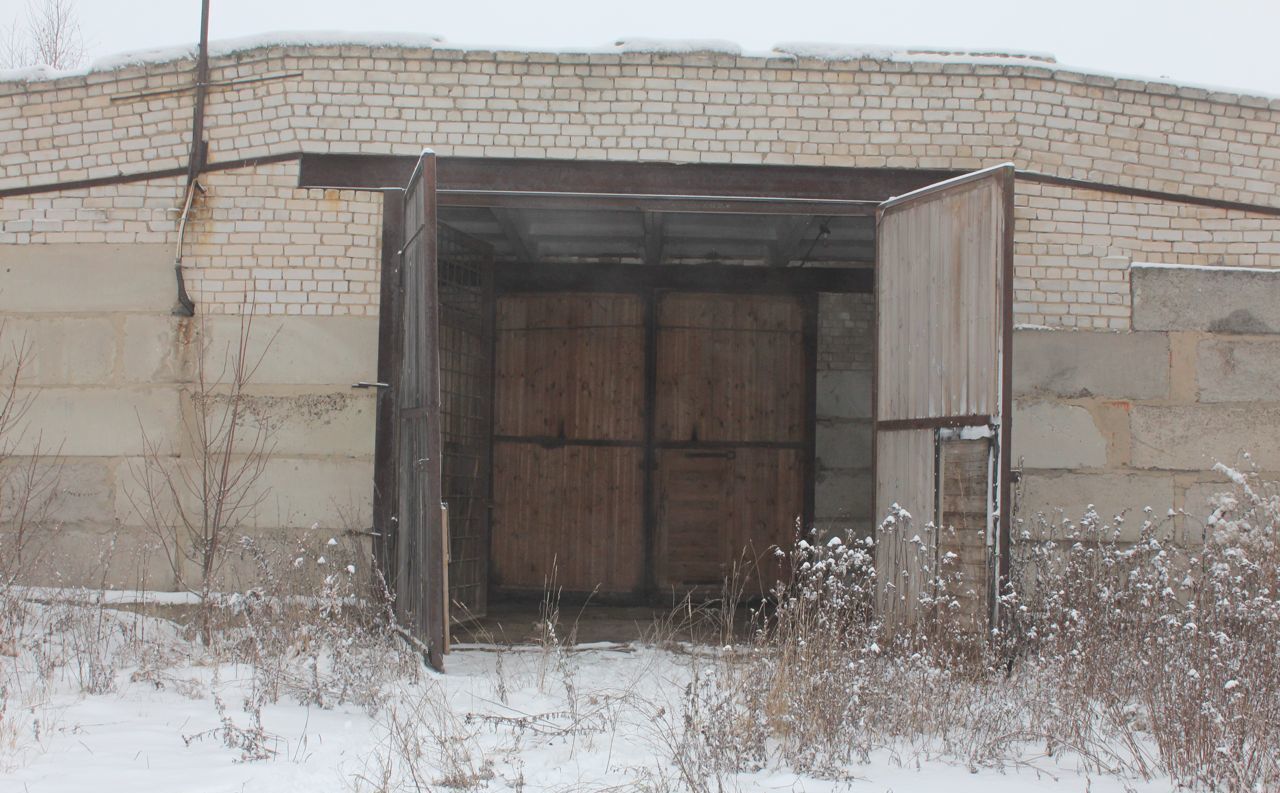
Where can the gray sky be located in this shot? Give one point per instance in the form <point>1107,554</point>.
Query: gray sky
<point>1230,43</point>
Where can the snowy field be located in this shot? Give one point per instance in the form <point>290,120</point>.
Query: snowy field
<point>1135,665</point>
<point>592,718</point>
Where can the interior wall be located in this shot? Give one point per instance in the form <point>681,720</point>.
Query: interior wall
<point>844,484</point>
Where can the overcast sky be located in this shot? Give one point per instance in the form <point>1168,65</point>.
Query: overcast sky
<point>1230,43</point>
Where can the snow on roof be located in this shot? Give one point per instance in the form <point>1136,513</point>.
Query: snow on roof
<point>678,46</point>
<point>824,51</point>
<point>224,47</point>
<point>834,52</point>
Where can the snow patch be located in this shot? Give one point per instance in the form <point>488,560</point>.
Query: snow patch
<point>678,46</point>
<point>1231,473</point>
<point>973,433</point>
<point>115,597</point>
<point>829,51</point>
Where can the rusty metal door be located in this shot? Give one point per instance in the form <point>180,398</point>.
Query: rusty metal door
<point>944,322</point>
<point>420,580</point>
<point>466,416</point>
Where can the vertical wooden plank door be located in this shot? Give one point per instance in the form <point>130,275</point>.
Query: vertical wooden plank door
<point>569,443</point>
<point>419,580</point>
<point>943,388</point>
<point>729,436</point>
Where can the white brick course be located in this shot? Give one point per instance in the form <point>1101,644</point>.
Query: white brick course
<point>307,251</point>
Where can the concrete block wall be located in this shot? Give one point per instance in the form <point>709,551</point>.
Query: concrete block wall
<point>843,436</point>
<point>105,375</point>
<point>1138,418</point>
<point>112,379</point>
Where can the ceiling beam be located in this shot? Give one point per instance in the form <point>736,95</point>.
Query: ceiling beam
<point>602,277</point>
<point>589,176</point>
<point>644,202</point>
<point>786,244</point>
<point>525,248</point>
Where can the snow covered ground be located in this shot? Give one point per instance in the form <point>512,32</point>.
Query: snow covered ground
<point>598,717</point>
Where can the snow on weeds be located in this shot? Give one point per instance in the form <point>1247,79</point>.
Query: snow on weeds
<point>1124,664</point>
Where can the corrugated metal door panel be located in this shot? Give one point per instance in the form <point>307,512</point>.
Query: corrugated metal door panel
<point>944,326</point>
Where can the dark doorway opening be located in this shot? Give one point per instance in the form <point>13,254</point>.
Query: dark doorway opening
<point>654,391</point>
<point>719,284</point>
<point>662,347</point>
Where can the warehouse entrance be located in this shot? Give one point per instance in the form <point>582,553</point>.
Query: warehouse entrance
<point>650,362</point>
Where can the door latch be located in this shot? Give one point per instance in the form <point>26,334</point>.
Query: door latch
<point>363,384</point>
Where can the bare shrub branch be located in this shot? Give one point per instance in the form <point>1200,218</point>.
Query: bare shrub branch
<point>194,505</point>
<point>30,471</point>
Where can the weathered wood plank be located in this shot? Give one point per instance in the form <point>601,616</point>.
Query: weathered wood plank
<point>573,511</point>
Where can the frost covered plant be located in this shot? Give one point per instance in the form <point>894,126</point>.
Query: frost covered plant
<point>30,483</point>
<point>194,502</point>
<point>1138,650</point>
<point>797,686</point>
<point>1215,708</point>
<point>425,746</point>
<point>308,628</point>
<point>1160,640</point>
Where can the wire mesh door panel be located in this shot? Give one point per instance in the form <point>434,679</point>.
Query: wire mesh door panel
<point>466,370</point>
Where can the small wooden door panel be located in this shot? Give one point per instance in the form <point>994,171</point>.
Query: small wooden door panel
<point>722,513</point>
<point>571,515</point>
<point>693,528</point>
<point>730,369</point>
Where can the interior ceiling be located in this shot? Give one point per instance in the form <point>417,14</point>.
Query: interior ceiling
<point>548,236</point>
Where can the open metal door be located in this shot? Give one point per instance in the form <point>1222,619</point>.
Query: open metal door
<point>944,326</point>
<point>420,581</point>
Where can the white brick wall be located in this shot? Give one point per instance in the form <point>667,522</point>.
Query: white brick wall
<point>303,251</point>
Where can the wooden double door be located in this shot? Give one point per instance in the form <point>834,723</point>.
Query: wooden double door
<point>647,442</point>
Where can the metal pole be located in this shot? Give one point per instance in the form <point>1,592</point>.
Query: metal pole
<point>195,162</point>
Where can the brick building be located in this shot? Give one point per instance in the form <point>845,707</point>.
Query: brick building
<point>1132,374</point>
